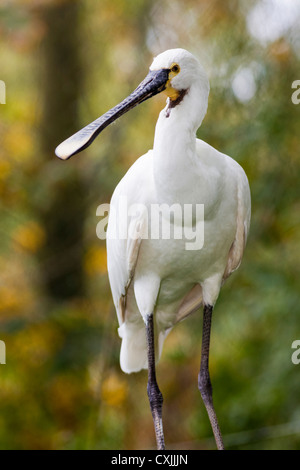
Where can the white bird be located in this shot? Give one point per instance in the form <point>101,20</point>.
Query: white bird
<point>157,281</point>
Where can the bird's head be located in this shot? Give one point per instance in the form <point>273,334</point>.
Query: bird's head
<point>183,69</point>
<point>173,72</point>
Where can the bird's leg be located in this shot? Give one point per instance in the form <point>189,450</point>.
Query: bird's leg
<point>204,383</point>
<point>154,394</point>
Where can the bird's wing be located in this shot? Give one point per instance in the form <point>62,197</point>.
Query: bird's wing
<point>242,224</point>
<point>125,233</point>
<point>122,256</point>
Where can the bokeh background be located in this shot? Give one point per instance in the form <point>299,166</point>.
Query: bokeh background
<point>65,63</point>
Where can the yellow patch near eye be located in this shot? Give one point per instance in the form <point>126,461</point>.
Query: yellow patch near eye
<point>171,92</point>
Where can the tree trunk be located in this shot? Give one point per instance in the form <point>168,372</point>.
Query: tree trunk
<point>62,209</point>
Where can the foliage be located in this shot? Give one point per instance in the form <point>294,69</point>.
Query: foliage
<point>62,387</point>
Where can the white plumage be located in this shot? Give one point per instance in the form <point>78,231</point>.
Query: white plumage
<point>161,276</point>
<point>157,281</point>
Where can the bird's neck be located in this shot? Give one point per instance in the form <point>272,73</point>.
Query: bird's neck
<point>175,157</point>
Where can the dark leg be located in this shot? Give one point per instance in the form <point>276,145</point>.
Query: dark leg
<point>154,394</point>
<point>204,383</point>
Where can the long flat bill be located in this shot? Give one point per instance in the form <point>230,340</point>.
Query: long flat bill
<point>154,83</point>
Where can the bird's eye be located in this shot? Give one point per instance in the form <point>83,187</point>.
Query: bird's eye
<point>175,68</point>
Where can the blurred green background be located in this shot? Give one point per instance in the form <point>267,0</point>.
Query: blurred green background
<point>65,63</point>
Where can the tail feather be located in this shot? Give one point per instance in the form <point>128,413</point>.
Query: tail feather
<point>133,356</point>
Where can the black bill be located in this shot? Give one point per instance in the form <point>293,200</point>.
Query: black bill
<point>154,83</point>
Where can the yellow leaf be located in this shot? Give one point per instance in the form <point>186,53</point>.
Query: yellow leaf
<point>95,260</point>
<point>18,142</point>
<point>30,236</point>
<point>114,390</point>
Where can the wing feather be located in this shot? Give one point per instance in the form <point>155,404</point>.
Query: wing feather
<point>123,251</point>
<point>236,251</point>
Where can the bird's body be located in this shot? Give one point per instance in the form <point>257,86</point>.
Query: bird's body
<point>165,257</point>
<point>167,278</point>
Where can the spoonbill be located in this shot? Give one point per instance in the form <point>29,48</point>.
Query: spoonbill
<point>157,281</point>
